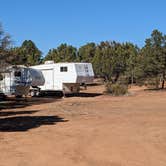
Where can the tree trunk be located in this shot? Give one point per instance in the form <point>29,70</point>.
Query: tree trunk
<point>132,77</point>
<point>116,77</point>
<point>163,82</point>
<point>157,83</point>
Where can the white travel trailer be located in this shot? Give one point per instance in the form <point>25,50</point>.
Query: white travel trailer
<point>65,77</point>
<point>16,80</point>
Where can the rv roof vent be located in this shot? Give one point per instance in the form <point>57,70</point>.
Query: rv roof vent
<point>49,62</point>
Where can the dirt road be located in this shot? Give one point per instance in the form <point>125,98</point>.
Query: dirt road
<point>87,130</point>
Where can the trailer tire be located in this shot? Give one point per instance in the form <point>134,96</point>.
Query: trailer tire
<point>37,93</point>
<point>32,93</point>
<point>59,93</point>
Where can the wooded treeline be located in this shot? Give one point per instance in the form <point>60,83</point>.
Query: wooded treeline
<point>116,62</point>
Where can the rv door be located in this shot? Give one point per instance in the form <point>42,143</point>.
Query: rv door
<point>49,79</point>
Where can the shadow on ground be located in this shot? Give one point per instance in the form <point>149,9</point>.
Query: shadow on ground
<point>24,123</point>
<point>82,94</point>
<point>155,89</point>
<point>13,113</point>
<point>13,103</point>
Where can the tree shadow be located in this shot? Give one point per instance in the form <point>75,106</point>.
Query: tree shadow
<point>155,89</point>
<point>13,103</point>
<point>25,123</point>
<point>82,94</point>
<point>12,113</point>
<point>95,84</point>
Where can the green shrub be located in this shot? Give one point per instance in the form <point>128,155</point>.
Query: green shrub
<point>116,89</point>
<point>152,83</point>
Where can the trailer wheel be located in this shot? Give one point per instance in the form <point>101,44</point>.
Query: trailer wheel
<point>32,93</point>
<point>37,93</point>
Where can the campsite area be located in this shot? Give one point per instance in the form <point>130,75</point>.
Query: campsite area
<point>91,129</point>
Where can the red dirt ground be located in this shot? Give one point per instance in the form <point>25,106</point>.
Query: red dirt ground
<point>87,130</point>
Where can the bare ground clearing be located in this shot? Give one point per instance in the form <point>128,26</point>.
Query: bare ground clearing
<point>87,130</point>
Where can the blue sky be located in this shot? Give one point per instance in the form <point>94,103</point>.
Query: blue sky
<point>51,22</point>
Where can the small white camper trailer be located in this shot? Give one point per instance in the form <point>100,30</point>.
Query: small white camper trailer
<point>65,77</point>
<point>18,79</point>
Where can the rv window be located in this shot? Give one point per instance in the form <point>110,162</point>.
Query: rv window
<point>86,69</point>
<point>17,73</point>
<point>63,69</point>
